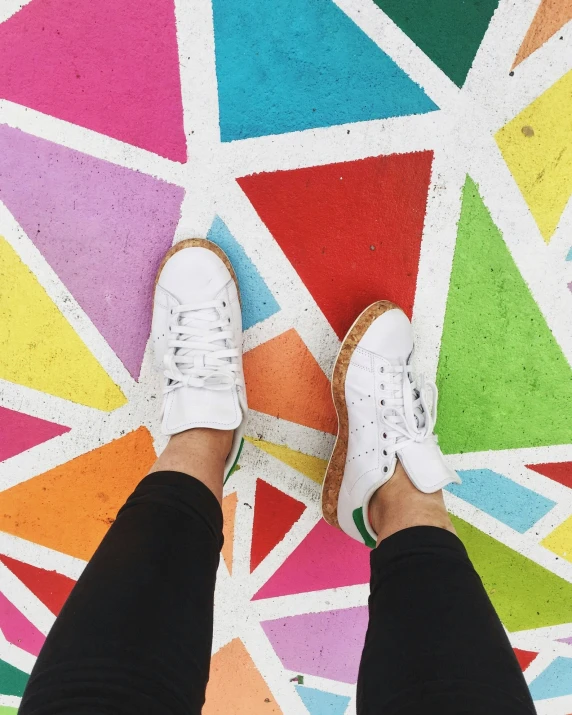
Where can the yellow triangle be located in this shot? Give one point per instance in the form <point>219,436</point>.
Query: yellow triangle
<point>560,540</point>
<point>39,348</point>
<point>536,146</point>
<point>228,513</point>
<point>311,467</point>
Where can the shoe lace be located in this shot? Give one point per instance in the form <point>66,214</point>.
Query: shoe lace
<point>202,351</point>
<point>406,414</point>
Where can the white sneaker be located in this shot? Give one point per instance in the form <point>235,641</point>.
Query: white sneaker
<point>383,414</point>
<point>197,336</point>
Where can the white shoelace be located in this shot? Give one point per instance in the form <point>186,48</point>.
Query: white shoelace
<point>405,414</point>
<point>202,351</point>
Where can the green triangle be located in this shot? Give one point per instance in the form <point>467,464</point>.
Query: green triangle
<point>448,31</point>
<point>12,680</point>
<point>504,382</point>
<point>524,594</point>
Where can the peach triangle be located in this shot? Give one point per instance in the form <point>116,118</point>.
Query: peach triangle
<point>71,507</point>
<point>236,685</point>
<point>312,467</point>
<point>284,380</point>
<point>229,513</point>
<point>550,17</point>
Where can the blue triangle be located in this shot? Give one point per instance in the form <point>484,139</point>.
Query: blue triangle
<point>569,256</point>
<point>321,703</point>
<point>299,64</point>
<point>554,682</point>
<point>258,303</point>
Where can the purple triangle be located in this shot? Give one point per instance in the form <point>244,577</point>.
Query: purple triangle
<point>326,558</point>
<point>101,227</point>
<point>327,644</point>
<point>21,432</point>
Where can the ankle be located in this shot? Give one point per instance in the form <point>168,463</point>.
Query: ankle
<point>399,505</point>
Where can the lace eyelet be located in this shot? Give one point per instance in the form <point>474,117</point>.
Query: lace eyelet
<point>385,470</point>
<point>384,452</point>
<point>382,369</point>
<point>382,387</point>
<point>383,402</point>
<point>229,320</point>
<point>384,435</point>
<point>223,304</point>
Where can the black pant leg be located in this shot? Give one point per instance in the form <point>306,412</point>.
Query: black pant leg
<point>135,636</point>
<point>435,645</point>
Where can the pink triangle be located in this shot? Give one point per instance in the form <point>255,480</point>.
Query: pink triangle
<point>326,558</point>
<point>17,629</point>
<point>111,66</point>
<point>21,432</point>
<point>103,229</point>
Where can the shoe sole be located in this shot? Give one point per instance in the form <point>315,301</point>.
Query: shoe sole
<point>336,466</point>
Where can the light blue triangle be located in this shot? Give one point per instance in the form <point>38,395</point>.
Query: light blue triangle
<point>569,256</point>
<point>258,303</point>
<point>288,65</point>
<point>320,703</point>
<point>554,682</point>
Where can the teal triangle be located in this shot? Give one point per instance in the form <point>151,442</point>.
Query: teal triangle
<point>569,256</point>
<point>554,682</point>
<point>448,31</point>
<point>503,380</point>
<point>319,702</point>
<point>299,64</point>
<point>12,680</point>
<point>258,303</point>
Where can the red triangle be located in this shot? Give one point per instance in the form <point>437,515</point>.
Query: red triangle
<point>524,657</point>
<point>274,514</point>
<point>352,231</point>
<point>21,432</point>
<point>558,471</point>
<point>111,66</point>
<point>50,587</point>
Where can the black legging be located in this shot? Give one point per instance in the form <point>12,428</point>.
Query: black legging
<point>134,637</point>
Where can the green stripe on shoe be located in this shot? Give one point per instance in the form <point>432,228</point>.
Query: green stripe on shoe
<point>359,522</point>
<point>235,465</point>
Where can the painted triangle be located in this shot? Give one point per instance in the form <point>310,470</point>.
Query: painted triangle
<point>56,361</point>
<point>532,144</point>
<point>351,230</point>
<point>550,17</point>
<point>110,66</point>
<point>510,400</point>
<point>304,65</point>
<point>326,558</point>
<point>560,472</point>
<point>257,301</point>
<point>274,515</point>
<point>12,680</point>
<point>554,682</point>
<point>524,657</point>
<point>17,629</point>
<point>235,679</point>
<point>448,31</point>
<point>71,507</point>
<point>87,216</point>
<point>319,702</point>
<point>304,396</point>
<point>559,541</point>
<point>21,432</point>
<point>229,513</point>
<point>50,587</point>
<point>311,467</point>
<point>524,594</point>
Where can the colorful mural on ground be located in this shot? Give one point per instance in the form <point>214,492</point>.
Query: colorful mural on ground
<point>340,151</point>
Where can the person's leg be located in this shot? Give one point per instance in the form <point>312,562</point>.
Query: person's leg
<point>435,645</point>
<point>135,635</point>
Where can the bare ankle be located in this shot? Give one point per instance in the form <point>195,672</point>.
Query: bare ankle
<point>400,505</point>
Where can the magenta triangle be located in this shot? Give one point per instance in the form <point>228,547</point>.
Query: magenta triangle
<point>103,229</point>
<point>326,558</point>
<point>21,432</point>
<point>111,66</point>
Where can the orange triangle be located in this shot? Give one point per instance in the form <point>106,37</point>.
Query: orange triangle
<point>236,686</point>
<point>284,380</point>
<point>549,18</point>
<point>71,507</point>
<point>229,512</point>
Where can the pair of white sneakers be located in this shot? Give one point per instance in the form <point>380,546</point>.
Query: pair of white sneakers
<point>383,413</point>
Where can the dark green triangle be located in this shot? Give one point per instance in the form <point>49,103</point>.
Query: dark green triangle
<point>524,594</point>
<point>448,31</point>
<point>503,380</point>
<point>12,680</point>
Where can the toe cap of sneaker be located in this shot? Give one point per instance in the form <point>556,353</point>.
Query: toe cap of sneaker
<point>390,336</point>
<point>194,274</point>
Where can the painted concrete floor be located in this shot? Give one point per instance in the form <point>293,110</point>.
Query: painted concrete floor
<point>340,151</point>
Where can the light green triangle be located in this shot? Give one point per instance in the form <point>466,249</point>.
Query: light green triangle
<point>39,348</point>
<point>5,710</point>
<point>524,594</point>
<point>311,467</point>
<point>503,380</point>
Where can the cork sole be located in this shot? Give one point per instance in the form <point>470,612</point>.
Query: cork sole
<point>199,243</point>
<point>337,463</point>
